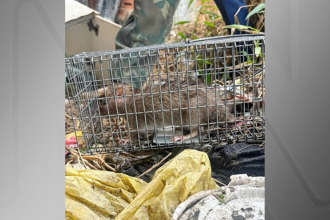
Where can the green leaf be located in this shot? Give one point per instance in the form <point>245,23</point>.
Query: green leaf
<point>208,78</point>
<point>257,51</point>
<point>209,24</point>
<point>182,22</point>
<point>260,7</point>
<point>210,13</point>
<point>191,1</point>
<point>240,27</point>
<point>203,61</point>
<point>182,35</point>
<point>246,54</point>
<point>199,8</point>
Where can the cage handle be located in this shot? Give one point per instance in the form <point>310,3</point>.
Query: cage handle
<point>223,37</point>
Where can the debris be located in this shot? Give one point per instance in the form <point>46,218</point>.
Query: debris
<point>193,199</point>
<point>243,198</point>
<point>71,139</point>
<point>101,194</point>
<point>154,166</point>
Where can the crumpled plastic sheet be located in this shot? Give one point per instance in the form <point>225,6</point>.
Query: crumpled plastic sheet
<point>94,194</point>
<point>239,158</point>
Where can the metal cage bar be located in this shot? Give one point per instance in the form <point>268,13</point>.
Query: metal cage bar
<point>206,91</point>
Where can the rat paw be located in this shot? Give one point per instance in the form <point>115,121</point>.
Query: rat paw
<point>124,141</point>
<point>233,125</point>
<point>176,139</point>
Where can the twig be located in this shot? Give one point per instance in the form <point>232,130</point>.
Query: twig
<point>154,166</point>
<point>101,160</point>
<point>97,164</point>
<point>70,161</point>
<point>85,158</point>
<point>74,153</point>
<point>90,165</point>
<point>239,9</point>
<point>217,181</point>
<point>82,158</point>
<point>102,167</point>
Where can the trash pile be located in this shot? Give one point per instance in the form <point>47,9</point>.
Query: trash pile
<point>179,189</point>
<point>128,186</point>
<point>95,194</point>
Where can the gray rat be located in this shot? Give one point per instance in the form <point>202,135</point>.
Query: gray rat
<point>166,105</point>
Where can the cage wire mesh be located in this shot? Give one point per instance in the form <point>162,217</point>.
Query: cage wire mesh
<point>198,93</point>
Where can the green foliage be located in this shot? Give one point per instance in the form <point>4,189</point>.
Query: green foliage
<point>213,17</point>
<point>191,1</point>
<point>182,35</point>
<point>182,22</point>
<point>209,24</point>
<point>249,60</point>
<point>210,13</point>
<point>257,9</point>
<point>205,67</point>
<point>257,51</point>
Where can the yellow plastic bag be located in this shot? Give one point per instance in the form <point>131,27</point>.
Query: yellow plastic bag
<point>186,174</point>
<point>91,194</point>
<point>94,194</point>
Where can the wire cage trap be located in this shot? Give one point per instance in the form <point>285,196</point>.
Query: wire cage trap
<point>202,92</point>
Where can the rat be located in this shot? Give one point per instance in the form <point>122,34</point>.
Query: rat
<point>166,105</point>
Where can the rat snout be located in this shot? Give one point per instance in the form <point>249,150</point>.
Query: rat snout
<point>102,102</point>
